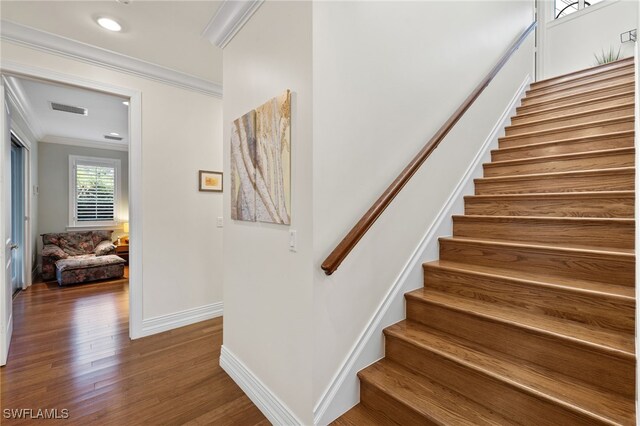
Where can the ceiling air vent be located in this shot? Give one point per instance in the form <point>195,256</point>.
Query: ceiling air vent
<point>113,138</point>
<point>68,108</point>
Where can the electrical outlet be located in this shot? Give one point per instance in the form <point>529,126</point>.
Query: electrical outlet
<point>219,222</point>
<point>293,241</point>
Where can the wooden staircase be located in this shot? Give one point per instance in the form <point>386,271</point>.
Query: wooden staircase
<point>529,315</point>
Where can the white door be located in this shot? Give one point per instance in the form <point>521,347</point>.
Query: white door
<point>6,291</point>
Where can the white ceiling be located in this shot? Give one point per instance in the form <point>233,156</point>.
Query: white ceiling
<point>166,33</point>
<point>106,113</point>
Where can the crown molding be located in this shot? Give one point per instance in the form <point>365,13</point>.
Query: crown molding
<point>93,55</point>
<point>111,146</point>
<point>229,19</point>
<point>22,106</point>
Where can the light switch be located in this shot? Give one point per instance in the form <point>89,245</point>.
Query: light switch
<point>219,222</point>
<point>293,241</point>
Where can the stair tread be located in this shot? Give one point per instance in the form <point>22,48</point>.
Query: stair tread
<point>623,119</point>
<point>569,116</point>
<point>575,104</point>
<point>546,195</point>
<point>624,133</point>
<point>427,397</point>
<point>528,377</point>
<point>535,93</point>
<point>558,174</point>
<point>361,415</point>
<point>563,96</point>
<point>559,157</point>
<point>498,218</point>
<point>614,343</point>
<point>621,63</point>
<point>611,290</point>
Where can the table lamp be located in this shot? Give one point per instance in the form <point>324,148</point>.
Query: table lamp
<point>125,228</point>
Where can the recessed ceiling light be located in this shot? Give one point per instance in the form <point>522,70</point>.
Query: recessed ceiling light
<point>114,134</point>
<point>109,24</point>
<point>125,103</point>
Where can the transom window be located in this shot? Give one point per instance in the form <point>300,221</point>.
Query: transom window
<point>567,7</point>
<point>94,185</point>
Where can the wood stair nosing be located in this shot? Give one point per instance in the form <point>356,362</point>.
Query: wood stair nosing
<point>618,179</point>
<point>596,103</point>
<point>600,266</point>
<point>574,75</point>
<point>466,367</point>
<point>618,124</point>
<point>544,102</point>
<point>620,204</point>
<point>579,89</point>
<point>600,142</point>
<point>596,79</point>
<point>608,307</point>
<point>576,118</point>
<point>577,232</point>
<point>609,367</point>
<point>388,387</point>
<point>589,160</point>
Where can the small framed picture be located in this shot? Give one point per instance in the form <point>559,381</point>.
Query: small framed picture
<point>210,181</point>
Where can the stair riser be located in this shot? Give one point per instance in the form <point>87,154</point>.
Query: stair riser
<point>593,162</point>
<point>573,109</point>
<point>578,183</point>
<point>579,131</point>
<point>585,74</point>
<point>484,389</point>
<point>378,401</point>
<point>598,267</point>
<point>592,81</point>
<point>556,232</point>
<point>531,99</point>
<point>559,148</point>
<point>553,352</point>
<point>584,118</point>
<point>594,309</point>
<point>538,104</point>
<point>621,207</point>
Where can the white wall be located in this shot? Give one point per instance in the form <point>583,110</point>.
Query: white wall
<point>53,169</point>
<point>569,43</point>
<point>267,318</point>
<point>386,76</point>
<point>181,133</point>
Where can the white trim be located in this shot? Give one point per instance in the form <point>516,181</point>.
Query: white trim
<point>102,162</point>
<point>7,334</point>
<point>266,401</point>
<point>343,390</point>
<point>67,47</point>
<point>229,19</point>
<point>135,174</point>
<point>581,12</point>
<point>21,103</point>
<point>111,146</point>
<point>637,208</point>
<point>180,319</point>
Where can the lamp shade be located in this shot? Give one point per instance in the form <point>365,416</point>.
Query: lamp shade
<point>125,227</point>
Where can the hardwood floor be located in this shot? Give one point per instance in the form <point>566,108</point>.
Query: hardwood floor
<point>71,350</point>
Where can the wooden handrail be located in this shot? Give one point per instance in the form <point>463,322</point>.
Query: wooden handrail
<point>347,244</point>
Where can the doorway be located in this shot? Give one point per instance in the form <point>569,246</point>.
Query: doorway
<point>18,215</point>
<point>132,99</point>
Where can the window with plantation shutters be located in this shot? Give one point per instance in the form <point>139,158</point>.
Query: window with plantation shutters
<point>94,187</point>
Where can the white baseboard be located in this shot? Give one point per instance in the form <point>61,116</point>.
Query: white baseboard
<point>266,401</point>
<point>180,319</point>
<point>344,390</point>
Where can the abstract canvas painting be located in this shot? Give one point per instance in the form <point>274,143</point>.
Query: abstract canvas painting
<point>243,152</point>
<point>261,163</point>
